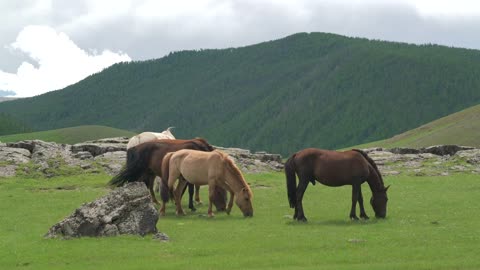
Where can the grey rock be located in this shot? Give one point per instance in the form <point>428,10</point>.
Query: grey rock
<point>14,155</point>
<point>125,210</point>
<point>7,170</point>
<point>97,149</point>
<point>159,236</point>
<point>404,150</point>
<point>443,150</point>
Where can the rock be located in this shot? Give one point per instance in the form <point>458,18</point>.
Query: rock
<point>116,140</point>
<point>97,149</point>
<point>14,155</point>
<point>404,150</point>
<point>472,156</point>
<point>159,236</point>
<point>125,210</point>
<point>112,162</point>
<point>443,150</point>
<point>254,163</point>
<point>83,155</point>
<point>8,170</point>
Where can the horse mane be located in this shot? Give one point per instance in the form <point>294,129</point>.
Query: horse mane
<point>374,165</point>
<point>235,171</point>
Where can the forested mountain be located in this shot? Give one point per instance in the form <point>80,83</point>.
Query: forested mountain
<point>317,89</point>
<point>10,125</point>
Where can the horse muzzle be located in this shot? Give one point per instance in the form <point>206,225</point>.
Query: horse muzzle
<point>248,214</point>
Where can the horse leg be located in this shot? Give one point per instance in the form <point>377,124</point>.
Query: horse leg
<point>355,191</point>
<point>191,190</point>
<point>197,194</point>
<point>150,179</point>
<point>230,203</point>
<point>178,195</point>
<point>211,197</point>
<point>302,186</point>
<point>360,202</point>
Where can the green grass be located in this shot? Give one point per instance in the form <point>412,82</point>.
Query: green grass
<point>70,135</point>
<point>460,128</point>
<point>432,224</point>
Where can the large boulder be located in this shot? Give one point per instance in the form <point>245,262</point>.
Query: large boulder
<point>125,210</point>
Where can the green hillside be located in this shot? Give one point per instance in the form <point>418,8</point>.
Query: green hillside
<point>462,128</point>
<point>70,135</point>
<point>10,125</point>
<point>317,89</point>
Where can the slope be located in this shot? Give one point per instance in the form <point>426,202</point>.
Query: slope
<point>70,135</point>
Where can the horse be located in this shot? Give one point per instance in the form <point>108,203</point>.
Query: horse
<point>167,134</point>
<point>144,163</point>
<point>205,168</point>
<point>149,136</point>
<point>334,169</point>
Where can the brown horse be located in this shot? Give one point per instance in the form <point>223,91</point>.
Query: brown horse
<point>144,162</point>
<point>334,169</point>
<point>205,168</point>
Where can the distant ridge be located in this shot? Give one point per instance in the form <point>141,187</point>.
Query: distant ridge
<point>461,128</point>
<point>70,135</point>
<point>305,90</point>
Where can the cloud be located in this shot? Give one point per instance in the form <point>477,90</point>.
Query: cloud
<point>56,62</point>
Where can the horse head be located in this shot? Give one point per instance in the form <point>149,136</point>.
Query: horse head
<point>379,203</point>
<point>244,202</point>
<point>203,145</point>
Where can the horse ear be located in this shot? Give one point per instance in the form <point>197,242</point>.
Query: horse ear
<point>387,188</point>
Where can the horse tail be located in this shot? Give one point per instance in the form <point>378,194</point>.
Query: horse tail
<point>291,181</point>
<point>370,161</point>
<point>137,164</point>
<point>164,190</point>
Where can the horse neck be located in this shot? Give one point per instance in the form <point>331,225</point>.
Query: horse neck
<point>234,181</point>
<point>375,181</point>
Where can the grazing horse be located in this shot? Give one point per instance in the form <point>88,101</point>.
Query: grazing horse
<point>166,134</point>
<point>144,163</point>
<point>334,169</point>
<point>205,168</point>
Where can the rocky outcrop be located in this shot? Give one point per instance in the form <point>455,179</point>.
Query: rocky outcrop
<point>125,210</point>
<point>105,155</point>
<point>256,162</point>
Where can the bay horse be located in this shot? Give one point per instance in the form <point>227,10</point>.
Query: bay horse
<point>144,163</point>
<point>334,169</point>
<point>205,168</point>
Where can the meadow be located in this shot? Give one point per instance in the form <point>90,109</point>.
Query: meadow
<point>432,223</point>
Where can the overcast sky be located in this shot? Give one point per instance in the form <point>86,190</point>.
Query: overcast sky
<point>48,44</point>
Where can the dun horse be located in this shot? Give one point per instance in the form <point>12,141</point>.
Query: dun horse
<point>144,163</point>
<point>335,169</point>
<point>205,168</point>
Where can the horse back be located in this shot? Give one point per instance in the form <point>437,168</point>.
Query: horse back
<point>331,168</point>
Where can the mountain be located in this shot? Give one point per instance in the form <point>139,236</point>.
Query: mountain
<point>9,125</point>
<point>305,90</point>
<point>462,128</point>
<point>70,135</point>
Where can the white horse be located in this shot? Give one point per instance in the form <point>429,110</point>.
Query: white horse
<point>150,136</point>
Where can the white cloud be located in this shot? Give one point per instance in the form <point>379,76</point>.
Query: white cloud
<point>57,62</point>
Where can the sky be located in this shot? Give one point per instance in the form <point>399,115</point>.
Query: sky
<point>47,45</point>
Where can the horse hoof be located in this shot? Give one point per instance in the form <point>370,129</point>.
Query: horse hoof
<point>364,217</point>
<point>302,219</point>
<point>199,202</point>
<point>211,215</point>
<point>161,213</point>
<point>354,218</point>
<point>193,209</point>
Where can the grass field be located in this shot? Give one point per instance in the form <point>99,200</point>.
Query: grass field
<point>461,128</point>
<point>432,223</point>
<point>70,135</point>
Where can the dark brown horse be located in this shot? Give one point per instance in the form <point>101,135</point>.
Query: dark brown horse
<point>144,162</point>
<point>334,169</point>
